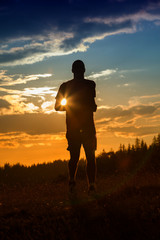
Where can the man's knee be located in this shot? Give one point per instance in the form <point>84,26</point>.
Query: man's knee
<point>90,155</point>
<point>74,157</point>
<point>73,161</point>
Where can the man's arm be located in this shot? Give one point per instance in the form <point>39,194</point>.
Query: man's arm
<point>59,97</point>
<point>95,106</point>
<point>94,95</point>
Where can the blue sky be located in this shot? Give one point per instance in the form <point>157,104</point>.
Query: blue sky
<point>119,42</point>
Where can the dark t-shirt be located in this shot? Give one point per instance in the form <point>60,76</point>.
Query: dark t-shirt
<point>80,106</point>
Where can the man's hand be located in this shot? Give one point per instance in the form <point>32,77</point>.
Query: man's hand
<point>60,104</point>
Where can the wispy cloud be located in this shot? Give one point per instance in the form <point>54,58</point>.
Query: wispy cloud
<point>39,91</point>
<point>10,80</point>
<point>37,49</point>
<point>146,99</point>
<point>47,107</point>
<point>135,17</point>
<point>27,100</point>
<point>103,73</point>
<point>133,132</point>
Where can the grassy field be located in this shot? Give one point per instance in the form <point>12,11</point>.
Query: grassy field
<point>126,206</point>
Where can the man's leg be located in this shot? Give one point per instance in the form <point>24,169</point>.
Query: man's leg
<point>91,165</point>
<point>90,145</point>
<point>74,145</point>
<point>74,158</point>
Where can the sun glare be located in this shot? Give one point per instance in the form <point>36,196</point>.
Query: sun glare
<point>63,102</point>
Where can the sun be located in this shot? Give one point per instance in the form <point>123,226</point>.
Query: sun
<point>63,102</point>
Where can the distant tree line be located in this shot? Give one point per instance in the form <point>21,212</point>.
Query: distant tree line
<point>137,157</point>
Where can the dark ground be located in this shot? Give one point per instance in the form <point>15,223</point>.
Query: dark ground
<point>125,207</point>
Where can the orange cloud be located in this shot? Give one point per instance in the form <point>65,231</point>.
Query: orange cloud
<point>33,123</point>
<point>22,139</point>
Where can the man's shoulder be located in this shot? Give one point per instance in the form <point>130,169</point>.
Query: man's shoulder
<point>65,84</point>
<point>72,82</point>
<point>90,82</point>
<point>68,82</point>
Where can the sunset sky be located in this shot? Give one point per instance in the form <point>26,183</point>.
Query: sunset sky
<point>119,42</point>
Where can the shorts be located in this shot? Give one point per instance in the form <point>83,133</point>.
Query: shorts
<point>78,137</point>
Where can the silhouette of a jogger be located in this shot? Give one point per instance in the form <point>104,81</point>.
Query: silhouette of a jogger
<point>79,104</point>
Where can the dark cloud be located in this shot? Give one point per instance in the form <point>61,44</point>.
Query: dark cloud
<point>22,19</point>
<point>124,122</point>
<point>4,104</point>
<point>26,18</point>
<point>116,112</point>
<point>21,54</point>
<point>34,124</point>
<point>85,30</point>
<point>135,131</point>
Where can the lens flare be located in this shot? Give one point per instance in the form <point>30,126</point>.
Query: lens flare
<point>63,102</point>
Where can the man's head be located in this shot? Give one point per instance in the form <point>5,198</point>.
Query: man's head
<point>78,67</point>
